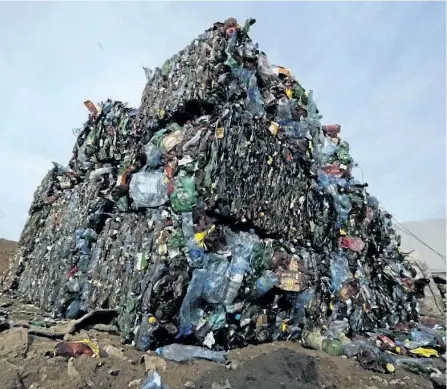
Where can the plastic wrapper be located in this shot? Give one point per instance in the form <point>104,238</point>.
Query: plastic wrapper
<point>148,189</point>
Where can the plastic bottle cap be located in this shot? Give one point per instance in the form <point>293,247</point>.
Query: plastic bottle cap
<point>237,316</point>
<point>390,367</point>
<point>152,320</point>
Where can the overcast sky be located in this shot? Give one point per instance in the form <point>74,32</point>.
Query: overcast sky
<point>378,69</point>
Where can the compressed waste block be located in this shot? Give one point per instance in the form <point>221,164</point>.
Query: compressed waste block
<point>220,213</point>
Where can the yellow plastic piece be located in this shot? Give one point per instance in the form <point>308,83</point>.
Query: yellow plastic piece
<point>200,237</point>
<point>94,346</point>
<point>390,368</point>
<point>152,320</point>
<point>289,93</point>
<point>425,352</point>
<point>220,132</point>
<point>274,128</point>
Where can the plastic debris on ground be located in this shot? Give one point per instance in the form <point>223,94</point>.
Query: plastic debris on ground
<point>223,212</point>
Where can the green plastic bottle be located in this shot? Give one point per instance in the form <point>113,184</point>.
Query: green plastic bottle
<point>332,347</point>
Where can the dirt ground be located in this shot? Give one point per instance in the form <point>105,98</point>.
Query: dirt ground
<point>25,362</point>
<point>7,249</point>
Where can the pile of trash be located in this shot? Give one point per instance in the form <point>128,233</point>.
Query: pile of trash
<point>221,213</point>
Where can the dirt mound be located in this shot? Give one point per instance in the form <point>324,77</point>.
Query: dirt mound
<point>7,249</point>
<point>24,364</point>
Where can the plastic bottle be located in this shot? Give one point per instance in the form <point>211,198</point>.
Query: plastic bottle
<point>264,283</point>
<point>216,280</point>
<point>332,347</point>
<point>189,312</point>
<point>302,299</point>
<point>195,252</point>
<point>153,381</point>
<point>316,341</point>
<point>241,246</point>
<point>254,100</point>
<point>351,349</point>
<point>181,353</point>
<point>421,366</point>
<point>337,328</point>
<point>148,325</point>
<point>73,310</point>
<point>371,358</point>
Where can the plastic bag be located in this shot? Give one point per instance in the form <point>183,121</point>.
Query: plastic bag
<point>184,196</point>
<point>339,271</point>
<point>153,155</point>
<point>173,139</point>
<point>351,243</point>
<point>148,189</point>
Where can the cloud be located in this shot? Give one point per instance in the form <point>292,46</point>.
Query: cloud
<point>378,69</point>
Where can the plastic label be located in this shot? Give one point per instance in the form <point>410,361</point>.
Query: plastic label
<point>291,281</point>
<point>220,132</point>
<point>274,128</point>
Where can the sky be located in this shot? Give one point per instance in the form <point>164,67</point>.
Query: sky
<point>378,69</point>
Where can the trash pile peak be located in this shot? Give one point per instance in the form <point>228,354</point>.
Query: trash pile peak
<point>222,212</point>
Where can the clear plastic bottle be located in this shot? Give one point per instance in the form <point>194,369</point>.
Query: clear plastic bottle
<point>153,381</point>
<point>264,283</point>
<point>195,252</point>
<point>235,276</point>
<point>189,312</point>
<point>254,102</point>
<point>148,325</point>
<point>182,353</point>
<point>241,246</point>
<point>302,299</point>
<point>339,271</point>
<point>316,341</point>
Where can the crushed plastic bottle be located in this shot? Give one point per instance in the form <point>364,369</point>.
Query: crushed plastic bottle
<point>316,341</point>
<point>189,312</point>
<point>182,353</point>
<point>241,246</point>
<point>264,283</point>
<point>195,252</point>
<point>148,325</point>
<point>153,381</point>
<point>339,271</point>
